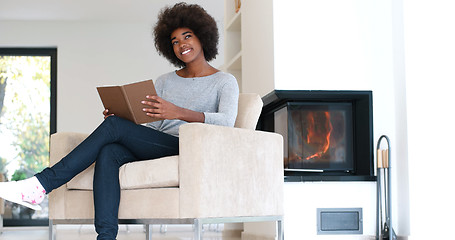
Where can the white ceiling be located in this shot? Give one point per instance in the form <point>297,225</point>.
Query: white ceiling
<point>92,10</point>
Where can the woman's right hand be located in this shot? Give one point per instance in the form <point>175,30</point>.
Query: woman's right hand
<point>106,113</point>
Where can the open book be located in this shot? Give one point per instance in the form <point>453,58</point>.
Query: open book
<point>125,101</point>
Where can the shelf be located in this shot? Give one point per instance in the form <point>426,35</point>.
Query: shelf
<point>235,63</point>
<point>235,23</point>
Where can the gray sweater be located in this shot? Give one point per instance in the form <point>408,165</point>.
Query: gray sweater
<point>215,95</point>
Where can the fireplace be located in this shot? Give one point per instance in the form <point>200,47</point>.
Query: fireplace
<point>328,135</point>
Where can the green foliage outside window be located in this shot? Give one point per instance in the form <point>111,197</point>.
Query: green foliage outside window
<point>24,114</point>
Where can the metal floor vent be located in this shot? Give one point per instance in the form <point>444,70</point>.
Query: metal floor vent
<point>339,221</point>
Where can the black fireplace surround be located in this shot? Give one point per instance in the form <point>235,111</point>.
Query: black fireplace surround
<point>328,135</point>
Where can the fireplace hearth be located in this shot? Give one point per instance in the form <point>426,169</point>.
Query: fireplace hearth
<point>328,135</point>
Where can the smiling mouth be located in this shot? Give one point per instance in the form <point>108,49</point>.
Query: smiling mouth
<point>186,51</point>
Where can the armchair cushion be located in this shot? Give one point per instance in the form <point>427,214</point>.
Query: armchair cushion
<point>162,172</point>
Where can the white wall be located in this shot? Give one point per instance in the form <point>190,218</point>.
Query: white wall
<point>97,52</point>
<point>430,72</point>
<point>345,45</point>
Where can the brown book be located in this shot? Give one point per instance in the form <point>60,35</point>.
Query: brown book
<point>125,101</point>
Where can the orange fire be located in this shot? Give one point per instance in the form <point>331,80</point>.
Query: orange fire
<point>318,134</point>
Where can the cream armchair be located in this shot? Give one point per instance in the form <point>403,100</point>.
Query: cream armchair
<point>221,175</point>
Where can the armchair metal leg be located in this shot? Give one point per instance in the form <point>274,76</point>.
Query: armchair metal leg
<point>148,231</point>
<point>280,229</point>
<point>51,230</point>
<point>163,228</point>
<point>197,230</point>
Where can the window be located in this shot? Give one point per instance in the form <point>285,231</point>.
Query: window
<point>27,118</point>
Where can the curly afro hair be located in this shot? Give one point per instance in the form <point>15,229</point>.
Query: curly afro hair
<point>191,16</point>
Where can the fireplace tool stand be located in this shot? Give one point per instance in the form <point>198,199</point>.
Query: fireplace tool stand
<point>384,229</point>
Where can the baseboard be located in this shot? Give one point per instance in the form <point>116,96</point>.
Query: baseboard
<point>249,236</point>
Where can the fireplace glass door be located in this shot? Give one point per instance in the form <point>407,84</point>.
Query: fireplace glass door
<point>318,136</point>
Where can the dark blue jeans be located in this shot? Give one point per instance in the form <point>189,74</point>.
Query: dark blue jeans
<point>115,142</point>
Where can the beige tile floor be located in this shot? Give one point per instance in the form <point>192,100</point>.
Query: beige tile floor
<point>87,232</point>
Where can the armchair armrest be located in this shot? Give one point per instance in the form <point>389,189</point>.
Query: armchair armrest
<point>61,144</point>
<point>231,172</point>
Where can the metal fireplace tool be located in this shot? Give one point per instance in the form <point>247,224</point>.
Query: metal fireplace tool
<point>384,229</point>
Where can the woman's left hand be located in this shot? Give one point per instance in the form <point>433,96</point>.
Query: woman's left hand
<point>160,108</point>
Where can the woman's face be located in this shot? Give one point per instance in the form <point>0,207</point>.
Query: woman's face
<point>186,45</point>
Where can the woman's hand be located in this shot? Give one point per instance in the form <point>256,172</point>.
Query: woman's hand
<point>106,113</point>
<point>160,108</point>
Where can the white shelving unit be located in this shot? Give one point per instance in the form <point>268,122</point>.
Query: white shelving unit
<point>249,45</point>
<point>233,41</point>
